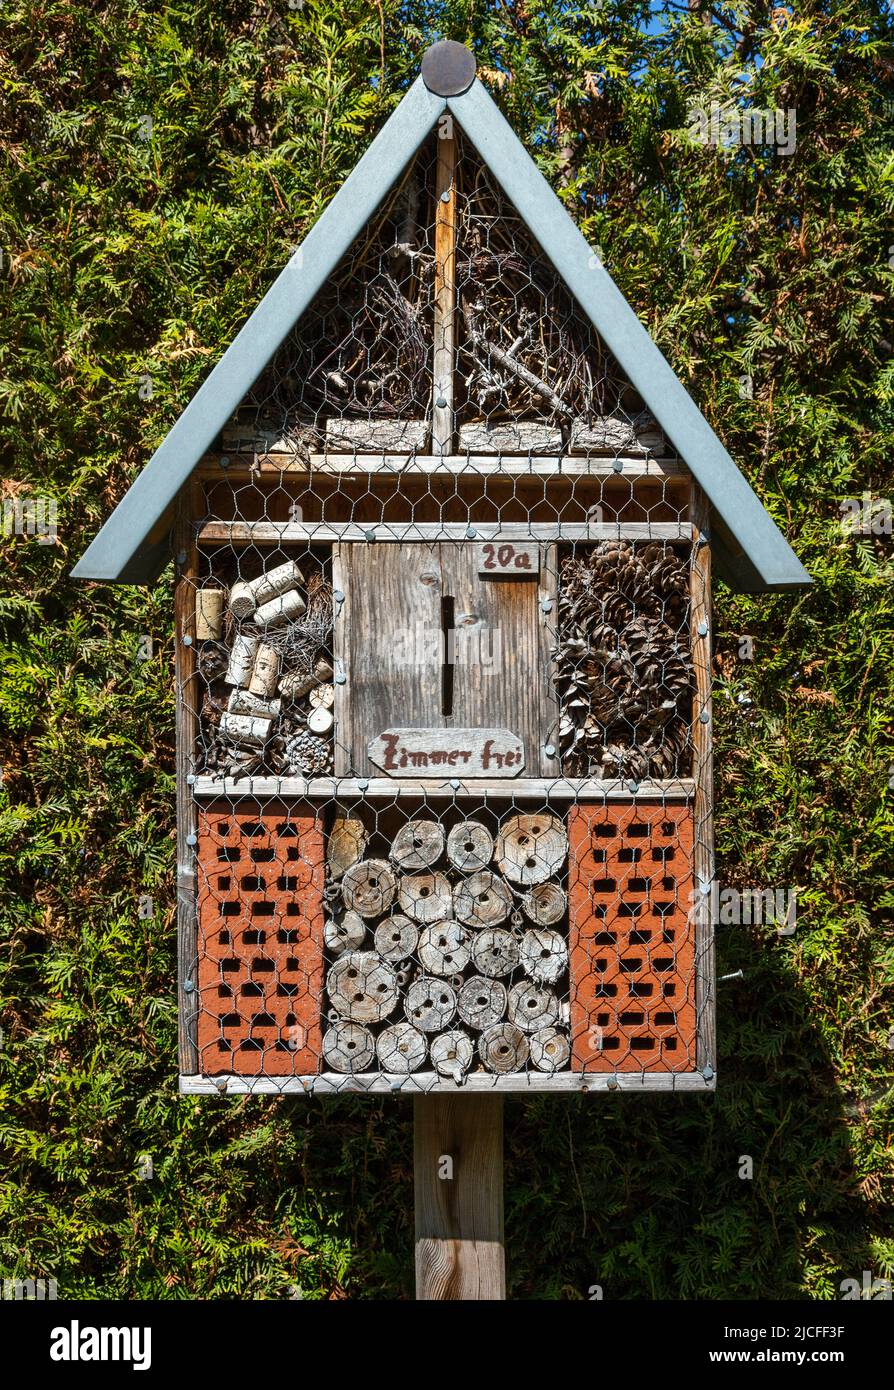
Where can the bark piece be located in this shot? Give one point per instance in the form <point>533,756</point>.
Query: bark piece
<point>346,845</point>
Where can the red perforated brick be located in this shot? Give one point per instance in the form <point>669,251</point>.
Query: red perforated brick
<point>631,938</point>
<point>260,919</point>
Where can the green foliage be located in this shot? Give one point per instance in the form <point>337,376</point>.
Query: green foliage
<point>134,250</point>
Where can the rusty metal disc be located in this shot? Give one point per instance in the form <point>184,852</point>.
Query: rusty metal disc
<point>448,68</point>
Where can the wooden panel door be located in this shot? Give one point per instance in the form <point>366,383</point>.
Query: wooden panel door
<point>426,642</point>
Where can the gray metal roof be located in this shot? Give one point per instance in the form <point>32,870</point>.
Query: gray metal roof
<point>750,552</point>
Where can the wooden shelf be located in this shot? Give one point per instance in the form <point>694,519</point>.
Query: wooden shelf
<point>319,532</point>
<point>522,466</point>
<point>387,788</point>
<point>425,1082</point>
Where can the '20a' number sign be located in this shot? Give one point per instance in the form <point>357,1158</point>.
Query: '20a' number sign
<point>503,558</point>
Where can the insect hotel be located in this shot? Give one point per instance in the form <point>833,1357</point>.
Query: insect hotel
<point>444,522</point>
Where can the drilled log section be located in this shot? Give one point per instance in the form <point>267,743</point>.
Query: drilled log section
<point>703,770</point>
<point>459,1206</point>
<point>445,293</point>
<point>188,510</point>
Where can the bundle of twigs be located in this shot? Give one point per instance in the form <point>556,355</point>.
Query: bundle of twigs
<point>624,672</point>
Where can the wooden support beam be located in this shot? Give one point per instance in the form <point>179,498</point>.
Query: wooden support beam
<point>703,772</point>
<point>445,289</point>
<point>458,1169</point>
<point>186,553</point>
<point>322,532</point>
<point>521,789</point>
<point>272,464</point>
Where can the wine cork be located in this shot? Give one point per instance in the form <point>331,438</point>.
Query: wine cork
<point>242,660</point>
<point>323,671</point>
<point>296,684</point>
<point>323,695</point>
<point>281,609</point>
<point>243,729</point>
<point>242,600</point>
<point>266,671</point>
<point>209,614</point>
<point>320,721</point>
<point>275,582</point>
<point>243,702</point>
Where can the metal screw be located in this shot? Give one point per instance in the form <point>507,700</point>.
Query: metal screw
<point>613,1084</point>
<point>192,839</point>
<point>708,1072</point>
<point>190,779</point>
<point>441,403</point>
<point>370,534</point>
<point>188,987</point>
<point>181,557</point>
<point>633,786</point>
<point>546,605</point>
<point>187,641</point>
<point>455,783</point>
<point>363,783</point>
<point>338,596</point>
<point>550,750</point>
<point>736,975</point>
<point>703,629</point>
<point>704,717</point>
<point>471,533</point>
<point>341,678</point>
<point>224,461</point>
<point>617,465</point>
<point>445,196</point>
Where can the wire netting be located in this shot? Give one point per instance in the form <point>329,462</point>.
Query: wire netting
<point>442,707</point>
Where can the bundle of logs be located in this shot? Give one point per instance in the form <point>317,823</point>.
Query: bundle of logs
<point>265,659</point>
<point>623,665</point>
<point>449,955</point>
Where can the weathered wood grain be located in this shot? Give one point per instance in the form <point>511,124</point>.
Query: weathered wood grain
<point>703,771</point>
<point>188,703</point>
<point>386,788</point>
<point>445,294</point>
<point>459,1220</point>
<point>279,533</point>
<point>376,434</point>
<point>614,433</point>
<point>429,1083</point>
<point>512,465</point>
<point>519,437</point>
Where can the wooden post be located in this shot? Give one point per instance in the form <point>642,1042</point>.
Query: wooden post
<point>458,1166</point>
<point>189,510</point>
<point>703,772</point>
<point>445,289</point>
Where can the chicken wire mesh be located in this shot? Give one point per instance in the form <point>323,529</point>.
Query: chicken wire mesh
<point>488,904</point>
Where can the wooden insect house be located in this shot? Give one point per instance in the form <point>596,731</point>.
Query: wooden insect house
<point>444,522</point>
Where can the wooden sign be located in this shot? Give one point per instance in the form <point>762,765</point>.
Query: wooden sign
<point>502,558</point>
<point>448,752</point>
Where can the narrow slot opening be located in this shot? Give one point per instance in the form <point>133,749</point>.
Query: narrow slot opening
<point>448,614</point>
